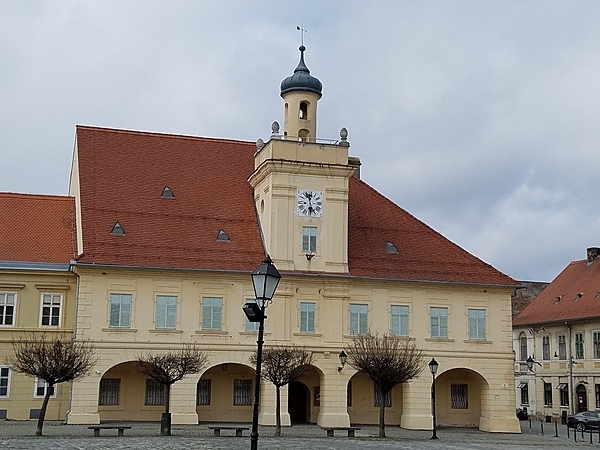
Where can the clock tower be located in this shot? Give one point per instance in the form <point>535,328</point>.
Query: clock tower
<point>301,184</point>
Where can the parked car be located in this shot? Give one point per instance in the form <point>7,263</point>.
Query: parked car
<point>584,420</point>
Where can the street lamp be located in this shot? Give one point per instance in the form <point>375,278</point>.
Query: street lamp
<point>265,279</point>
<point>343,357</point>
<point>433,367</point>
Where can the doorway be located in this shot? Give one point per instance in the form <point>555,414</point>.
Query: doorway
<point>581,398</point>
<point>298,397</point>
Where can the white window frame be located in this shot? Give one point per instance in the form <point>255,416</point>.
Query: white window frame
<point>439,319</point>
<point>170,312</point>
<point>5,384</point>
<point>53,305</point>
<point>361,311</point>
<point>212,313</point>
<point>41,384</point>
<point>307,313</point>
<point>4,305</point>
<point>123,319</point>
<point>477,323</point>
<point>399,320</point>
<point>309,239</point>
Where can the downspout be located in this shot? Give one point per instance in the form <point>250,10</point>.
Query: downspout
<point>571,387</point>
<point>74,335</point>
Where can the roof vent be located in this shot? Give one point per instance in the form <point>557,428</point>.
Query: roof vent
<point>390,248</point>
<point>167,193</point>
<point>592,254</point>
<point>222,236</point>
<point>117,229</point>
<point>578,296</point>
<point>558,299</point>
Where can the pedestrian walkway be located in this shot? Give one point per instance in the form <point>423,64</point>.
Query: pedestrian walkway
<point>19,435</point>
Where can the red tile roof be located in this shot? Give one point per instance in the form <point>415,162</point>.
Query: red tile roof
<point>573,294</point>
<point>122,176</point>
<point>423,254</point>
<point>37,228</point>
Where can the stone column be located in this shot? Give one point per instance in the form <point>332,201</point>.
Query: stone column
<point>334,407</point>
<point>183,402</point>
<point>268,405</point>
<point>84,401</point>
<point>416,404</point>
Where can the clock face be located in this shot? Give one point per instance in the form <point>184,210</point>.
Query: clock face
<point>309,203</point>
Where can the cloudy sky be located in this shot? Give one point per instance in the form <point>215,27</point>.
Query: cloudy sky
<point>479,118</point>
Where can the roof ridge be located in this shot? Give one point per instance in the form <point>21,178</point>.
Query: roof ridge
<point>159,134</point>
<point>39,196</point>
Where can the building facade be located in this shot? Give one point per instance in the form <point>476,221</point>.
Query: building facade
<point>560,333</point>
<point>37,293</point>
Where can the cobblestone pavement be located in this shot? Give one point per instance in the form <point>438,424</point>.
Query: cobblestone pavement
<point>18,435</point>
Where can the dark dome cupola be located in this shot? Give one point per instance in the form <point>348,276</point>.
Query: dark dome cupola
<point>302,80</point>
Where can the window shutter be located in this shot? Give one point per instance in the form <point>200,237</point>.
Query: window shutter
<point>125,311</point>
<point>217,313</point>
<point>310,325</point>
<point>364,322</point>
<point>172,312</point>
<point>206,314</point>
<point>161,310</point>
<point>114,312</point>
<point>353,320</point>
<point>444,323</point>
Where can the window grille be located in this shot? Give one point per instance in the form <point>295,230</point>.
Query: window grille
<point>155,393</point>
<point>109,391</point>
<point>203,392</point>
<point>377,397</point>
<point>459,396</point>
<point>242,392</point>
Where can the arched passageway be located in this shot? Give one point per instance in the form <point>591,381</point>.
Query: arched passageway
<point>363,402</point>
<point>304,397</point>
<point>458,397</point>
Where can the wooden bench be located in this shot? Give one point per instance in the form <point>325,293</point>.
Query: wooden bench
<point>331,430</point>
<point>238,430</point>
<point>120,429</point>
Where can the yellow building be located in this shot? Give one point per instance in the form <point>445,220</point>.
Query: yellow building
<point>560,333</point>
<point>37,293</point>
<point>169,228</point>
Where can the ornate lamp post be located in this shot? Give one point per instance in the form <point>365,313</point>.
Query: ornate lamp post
<point>433,367</point>
<point>265,279</point>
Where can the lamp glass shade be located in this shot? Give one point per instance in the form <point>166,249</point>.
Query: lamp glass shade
<point>433,366</point>
<point>529,362</point>
<point>265,279</point>
<point>343,357</point>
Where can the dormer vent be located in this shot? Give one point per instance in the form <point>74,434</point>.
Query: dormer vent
<point>222,236</point>
<point>578,296</point>
<point>390,248</point>
<point>167,193</point>
<point>558,299</point>
<point>592,254</point>
<point>117,229</point>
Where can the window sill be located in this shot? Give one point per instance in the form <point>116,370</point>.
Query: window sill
<point>253,333</point>
<point>214,332</point>
<point>439,339</point>
<point>308,334</point>
<point>119,330</point>
<point>477,341</point>
<point>165,331</point>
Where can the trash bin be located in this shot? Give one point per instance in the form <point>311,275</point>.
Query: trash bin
<point>165,424</point>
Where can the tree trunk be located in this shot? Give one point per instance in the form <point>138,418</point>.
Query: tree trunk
<point>278,411</point>
<point>383,396</point>
<point>40,423</point>
<point>166,428</point>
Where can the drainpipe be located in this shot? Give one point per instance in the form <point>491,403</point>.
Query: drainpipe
<point>71,269</point>
<point>571,387</point>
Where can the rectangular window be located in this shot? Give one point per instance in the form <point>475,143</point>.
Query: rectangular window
<point>524,394</point>
<point>459,398</point>
<point>242,392</point>
<point>166,311</point>
<point>110,389</point>
<point>51,307</point>
<point>309,239</point>
<point>439,322</point>
<point>563,389</point>
<point>212,313</point>
<point>251,326</point>
<point>359,319</point>
<point>7,308</point>
<point>377,397</point>
<point>562,347</point>
<point>155,393</point>
<point>120,311</point>
<point>477,324</point>
<point>598,396</point>
<point>546,347</point>
<point>579,345</point>
<point>4,382</point>
<point>307,317</point>
<point>203,393</point>
<point>40,389</point>
<point>399,320</point>
<point>596,344</point>
<point>547,394</point>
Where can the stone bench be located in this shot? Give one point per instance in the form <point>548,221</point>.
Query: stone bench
<point>120,429</point>
<point>238,430</point>
<point>331,430</point>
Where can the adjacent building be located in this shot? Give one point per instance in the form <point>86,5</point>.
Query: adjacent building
<point>37,293</point>
<point>559,332</point>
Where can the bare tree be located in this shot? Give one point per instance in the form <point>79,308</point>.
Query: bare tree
<point>170,367</point>
<point>54,361</point>
<point>281,366</point>
<point>387,360</point>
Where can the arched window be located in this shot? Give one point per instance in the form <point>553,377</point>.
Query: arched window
<point>303,111</point>
<point>304,135</point>
<point>523,347</point>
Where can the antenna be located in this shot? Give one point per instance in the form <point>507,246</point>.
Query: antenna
<point>302,31</point>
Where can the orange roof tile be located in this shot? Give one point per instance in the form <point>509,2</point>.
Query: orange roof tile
<point>123,173</point>
<point>573,294</point>
<point>37,228</point>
